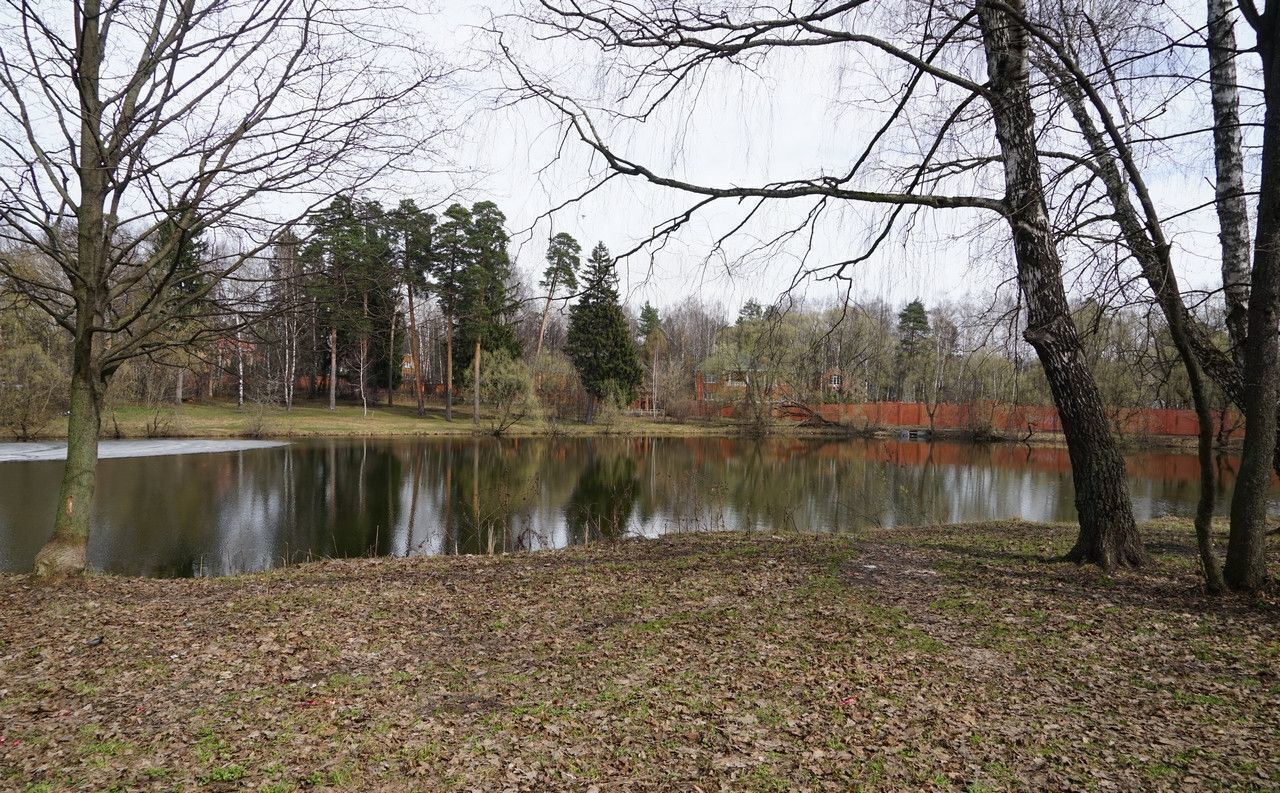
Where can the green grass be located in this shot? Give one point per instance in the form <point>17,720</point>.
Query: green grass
<point>226,420</point>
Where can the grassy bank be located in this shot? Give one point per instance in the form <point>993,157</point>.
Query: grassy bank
<point>314,419</point>
<point>218,420</point>
<point>950,658</point>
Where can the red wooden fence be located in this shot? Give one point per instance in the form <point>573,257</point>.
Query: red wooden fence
<point>998,417</point>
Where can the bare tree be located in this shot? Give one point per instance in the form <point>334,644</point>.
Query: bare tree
<point>661,46</point>
<point>1246,565</point>
<point>231,110</point>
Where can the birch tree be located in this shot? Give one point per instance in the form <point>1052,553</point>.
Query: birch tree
<point>661,48</point>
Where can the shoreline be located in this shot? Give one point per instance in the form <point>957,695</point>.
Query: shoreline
<point>309,420</point>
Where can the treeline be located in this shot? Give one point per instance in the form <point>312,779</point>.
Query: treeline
<point>401,299</point>
<point>355,303</point>
<point>951,352</point>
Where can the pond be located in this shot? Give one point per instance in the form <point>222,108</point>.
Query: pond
<point>225,512</point>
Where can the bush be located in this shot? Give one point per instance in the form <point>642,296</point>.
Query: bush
<point>506,385</point>
<point>32,390</point>
<point>558,389</point>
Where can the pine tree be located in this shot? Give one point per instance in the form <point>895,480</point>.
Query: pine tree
<point>414,230</point>
<point>563,261</point>
<point>913,334</point>
<point>330,257</point>
<point>486,301</point>
<point>451,260</point>
<point>599,339</point>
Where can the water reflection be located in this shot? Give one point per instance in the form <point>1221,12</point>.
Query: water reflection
<point>214,514</point>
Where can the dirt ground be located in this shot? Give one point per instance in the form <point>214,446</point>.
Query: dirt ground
<point>948,658</point>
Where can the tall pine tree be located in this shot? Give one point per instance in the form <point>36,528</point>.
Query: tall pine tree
<point>414,230</point>
<point>451,261</point>
<point>563,261</point>
<point>599,340</point>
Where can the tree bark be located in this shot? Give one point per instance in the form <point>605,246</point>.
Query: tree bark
<point>475,415</point>
<point>1108,534</point>
<point>239,371</point>
<point>64,553</point>
<point>364,352</point>
<point>546,314</point>
<point>1246,563</point>
<point>333,368</point>
<point>1228,158</point>
<point>448,367</point>
<point>414,343</point>
<point>177,391</point>
<point>391,363</point>
<point>1149,247</point>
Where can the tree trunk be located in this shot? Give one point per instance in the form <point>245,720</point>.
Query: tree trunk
<point>1232,201</point>
<point>414,343</point>
<point>448,367</point>
<point>1246,565</point>
<point>475,415</point>
<point>364,352</point>
<point>64,553</point>
<point>333,368</point>
<point>291,370</point>
<point>546,314</point>
<point>1108,535</point>
<point>313,388</point>
<point>239,372</point>
<point>1148,245</point>
<point>391,364</point>
<point>177,391</point>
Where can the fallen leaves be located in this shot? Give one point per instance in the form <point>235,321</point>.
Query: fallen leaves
<point>943,658</point>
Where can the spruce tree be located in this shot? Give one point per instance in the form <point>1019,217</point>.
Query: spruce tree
<point>599,340</point>
<point>649,320</point>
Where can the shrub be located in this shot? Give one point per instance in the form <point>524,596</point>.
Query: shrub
<point>32,390</point>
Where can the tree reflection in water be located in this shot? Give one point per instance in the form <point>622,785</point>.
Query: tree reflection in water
<point>213,514</point>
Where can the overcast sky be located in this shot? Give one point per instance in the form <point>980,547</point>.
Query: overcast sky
<point>792,119</point>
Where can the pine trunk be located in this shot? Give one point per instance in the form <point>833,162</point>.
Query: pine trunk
<point>448,368</point>
<point>333,368</point>
<point>414,348</point>
<point>475,415</point>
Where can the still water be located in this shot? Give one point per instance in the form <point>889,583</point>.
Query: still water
<point>228,512</point>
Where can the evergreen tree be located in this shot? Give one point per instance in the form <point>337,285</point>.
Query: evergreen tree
<point>451,260</point>
<point>563,261</point>
<point>649,320</point>
<point>414,231</point>
<point>599,339</point>
<point>352,279</point>
<point>486,299</point>
<point>913,335</point>
<point>913,327</point>
<point>329,258</point>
